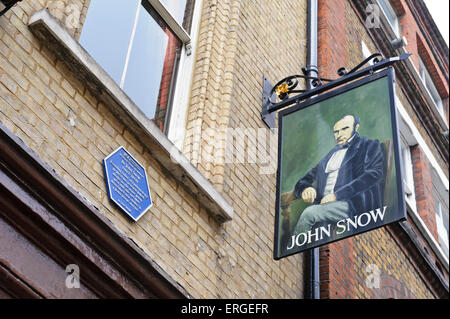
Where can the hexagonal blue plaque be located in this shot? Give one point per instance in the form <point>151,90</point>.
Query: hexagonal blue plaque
<point>127,184</point>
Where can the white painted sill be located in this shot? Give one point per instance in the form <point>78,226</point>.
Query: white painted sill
<point>50,32</point>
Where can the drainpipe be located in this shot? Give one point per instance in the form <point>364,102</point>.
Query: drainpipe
<point>312,284</point>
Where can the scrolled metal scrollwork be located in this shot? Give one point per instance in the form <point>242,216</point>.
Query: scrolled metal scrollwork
<point>287,86</point>
<point>375,58</point>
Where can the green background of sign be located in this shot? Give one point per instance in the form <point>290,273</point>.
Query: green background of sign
<point>308,136</point>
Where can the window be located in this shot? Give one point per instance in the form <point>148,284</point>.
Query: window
<point>410,136</point>
<point>428,81</point>
<point>390,15</point>
<point>406,140</point>
<point>366,52</point>
<point>441,222</point>
<point>407,172</point>
<point>139,44</point>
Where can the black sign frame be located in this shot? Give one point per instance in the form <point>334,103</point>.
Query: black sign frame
<point>401,211</point>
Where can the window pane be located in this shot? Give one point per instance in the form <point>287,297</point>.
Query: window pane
<point>445,233</point>
<point>442,234</point>
<point>106,33</point>
<point>365,50</point>
<point>429,84</point>
<point>437,206</point>
<point>403,166</point>
<point>152,51</point>
<point>441,223</point>
<point>421,69</point>
<point>433,92</point>
<point>406,169</point>
<point>390,15</point>
<point>151,67</point>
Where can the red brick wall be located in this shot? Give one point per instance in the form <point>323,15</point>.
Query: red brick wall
<point>337,278</point>
<point>343,265</point>
<point>420,48</point>
<point>166,79</point>
<point>424,189</point>
<point>331,37</point>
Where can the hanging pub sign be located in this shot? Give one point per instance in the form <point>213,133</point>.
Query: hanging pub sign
<point>339,166</point>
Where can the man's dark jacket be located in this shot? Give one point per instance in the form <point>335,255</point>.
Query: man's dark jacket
<point>360,176</point>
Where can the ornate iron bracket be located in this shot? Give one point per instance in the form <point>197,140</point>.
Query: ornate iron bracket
<point>288,85</point>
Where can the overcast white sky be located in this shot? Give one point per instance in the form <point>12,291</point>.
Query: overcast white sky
<point>439,11</point>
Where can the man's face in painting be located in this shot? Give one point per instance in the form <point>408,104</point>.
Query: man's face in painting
<point>344,129</point>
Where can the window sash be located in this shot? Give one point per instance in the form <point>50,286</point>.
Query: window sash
<point>390,15</point>
<point>122,65</point>
<point>130,45</point>
<point>407,171</point>
<point>431,88</point>
<point>170,20</point>
<point>442,228</point>
<point>366,51</point>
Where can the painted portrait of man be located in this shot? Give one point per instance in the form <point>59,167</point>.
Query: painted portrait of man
<point>339,171</point>
<point>349,179</point>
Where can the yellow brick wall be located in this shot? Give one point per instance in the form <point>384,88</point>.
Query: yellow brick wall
<point>271,42</point>
<point>262,38</point>
<point>55,115</point>
<point>395,268</point>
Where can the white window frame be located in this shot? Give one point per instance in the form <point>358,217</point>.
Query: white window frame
<point>431,88</point>
<point>442,121</point>
<point>440,180</point>
<point>408,179</point>
<point>390,15</point>
<point>130,45</point>
<point>407,141</point>
<point>442,198</point>
<point>175,130</point>
<point>366,51</point>
<point>171,22</point>
<point>174,124</point>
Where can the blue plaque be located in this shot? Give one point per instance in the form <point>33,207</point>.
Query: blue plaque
<point>127,185</point>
